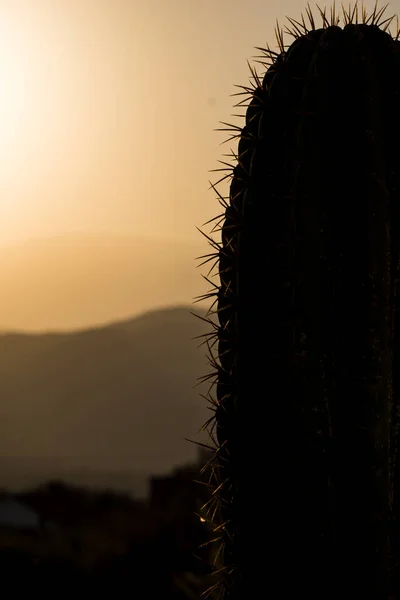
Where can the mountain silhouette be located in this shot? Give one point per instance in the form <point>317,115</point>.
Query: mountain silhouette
<point>120,397</point>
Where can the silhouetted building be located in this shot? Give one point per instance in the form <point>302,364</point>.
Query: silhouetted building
<point>180,491</point>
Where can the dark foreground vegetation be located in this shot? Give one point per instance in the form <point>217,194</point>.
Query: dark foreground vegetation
<point>87,542</point>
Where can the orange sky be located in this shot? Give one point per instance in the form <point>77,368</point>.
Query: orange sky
<point>105,118</point>
<point>107,111</point>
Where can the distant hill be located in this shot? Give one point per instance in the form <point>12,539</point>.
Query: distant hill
<point>117,398</point>
<point>22,473</point>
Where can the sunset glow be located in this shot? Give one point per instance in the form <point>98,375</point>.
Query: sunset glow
<point>108,111</point>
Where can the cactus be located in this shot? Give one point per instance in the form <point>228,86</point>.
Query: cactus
<point>304,342</point>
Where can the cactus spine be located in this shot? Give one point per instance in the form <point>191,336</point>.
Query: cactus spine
<point>307,367</point>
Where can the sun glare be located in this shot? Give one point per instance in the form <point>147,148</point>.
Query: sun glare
<point>12,105</point>
<point>13,100</point>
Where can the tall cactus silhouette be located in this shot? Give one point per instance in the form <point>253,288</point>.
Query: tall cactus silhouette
<point>304,339</point>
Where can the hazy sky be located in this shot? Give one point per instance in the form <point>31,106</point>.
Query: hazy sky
<point>107,110</point>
